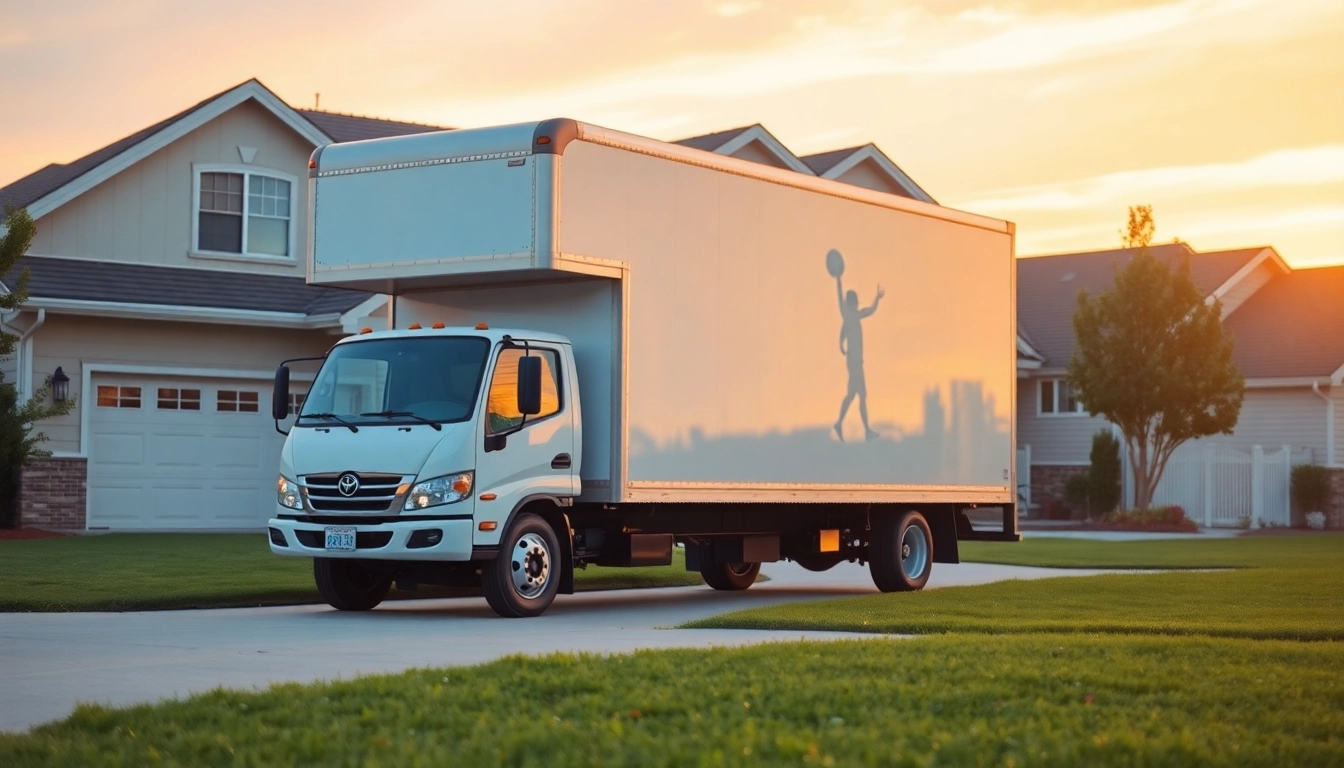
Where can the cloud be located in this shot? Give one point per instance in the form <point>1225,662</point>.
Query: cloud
<point>1286,167</point>
<point>733,10</point>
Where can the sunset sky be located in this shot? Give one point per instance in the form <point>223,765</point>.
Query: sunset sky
<point>1226,115</point>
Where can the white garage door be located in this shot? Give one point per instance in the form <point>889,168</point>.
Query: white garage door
<point>179,453</point>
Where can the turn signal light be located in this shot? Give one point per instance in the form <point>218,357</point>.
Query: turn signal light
<point>488,526</point>
<point>488,497</point>
<point>462,485</point>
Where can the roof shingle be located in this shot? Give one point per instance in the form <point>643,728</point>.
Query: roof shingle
<point>1048,286</point>
<point>342,128</point>
<point>712,141</point>
<point>1293,326</point>
<point>128,283</point>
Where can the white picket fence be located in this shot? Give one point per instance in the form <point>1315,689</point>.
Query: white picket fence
<point>1219,486</point>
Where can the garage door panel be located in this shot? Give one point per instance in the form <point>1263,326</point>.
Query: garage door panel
<point>172,468</point>
<point>113,449</point>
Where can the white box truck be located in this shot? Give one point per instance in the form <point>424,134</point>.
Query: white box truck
<point>600,346</point>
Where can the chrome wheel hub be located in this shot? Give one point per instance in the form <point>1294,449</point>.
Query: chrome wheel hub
<point>531,565</point>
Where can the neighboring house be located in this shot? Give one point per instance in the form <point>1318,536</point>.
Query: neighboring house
<point>1288,327</point>
<point>167,281</point>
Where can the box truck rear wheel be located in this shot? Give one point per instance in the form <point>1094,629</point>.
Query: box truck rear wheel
<point>730,577</point>
<point>348,585</point>
<point>524,578</point>
<point>901,552</point>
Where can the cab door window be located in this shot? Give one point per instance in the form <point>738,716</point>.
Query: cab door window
<point>501,410</point>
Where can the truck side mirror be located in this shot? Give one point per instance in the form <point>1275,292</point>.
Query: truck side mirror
<point>280,395</point>
<point>529,385</point>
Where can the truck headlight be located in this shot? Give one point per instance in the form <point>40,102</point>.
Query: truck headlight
<point>440,490</point>
<point>287,493</point>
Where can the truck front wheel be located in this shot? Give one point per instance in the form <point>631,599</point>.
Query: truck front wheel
<point>730,577</point>
<point>349,586</point>
<point>901,552</point>
<point>524,578</point>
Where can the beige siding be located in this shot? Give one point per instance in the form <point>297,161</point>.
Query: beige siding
<point>74,342</point>
<point>1338,394</point>
<point>1273,418</point>
<point>144,213</point>
<point>757,152</point>
<point>1053,439</point>
<point>1248,285</point>
<point>868,175</point>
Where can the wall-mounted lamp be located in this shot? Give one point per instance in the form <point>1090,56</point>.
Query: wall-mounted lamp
<point>60,386</point>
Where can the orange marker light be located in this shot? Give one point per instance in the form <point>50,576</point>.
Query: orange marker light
<point>365,330</point>
<point>543,139</point>
<point>488,497</point>
<point>312,163</point>
<point>488,526</point>
<point>482,327</point>
<point>415,326</point>
<point>437,326</point>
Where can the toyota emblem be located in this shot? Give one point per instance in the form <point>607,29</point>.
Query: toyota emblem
<point>348,484</point>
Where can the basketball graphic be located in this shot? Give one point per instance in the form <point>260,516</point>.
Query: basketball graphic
<point>835,263</point>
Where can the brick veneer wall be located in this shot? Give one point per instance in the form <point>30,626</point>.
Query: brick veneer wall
<point>52,493</point>
<point>1334,511</point>
<point>1047,482</point>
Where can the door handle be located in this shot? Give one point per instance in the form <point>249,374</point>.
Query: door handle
<point>561,461</point>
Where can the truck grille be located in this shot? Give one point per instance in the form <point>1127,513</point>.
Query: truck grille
<point>377,492</point>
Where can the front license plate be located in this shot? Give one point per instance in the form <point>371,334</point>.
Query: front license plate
<point>341,538</point>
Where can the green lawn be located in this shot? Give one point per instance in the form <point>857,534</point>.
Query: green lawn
<point>122,572</point>
<point>1277,551</point>
<point>1302,598</point>
<point>1029,700</point>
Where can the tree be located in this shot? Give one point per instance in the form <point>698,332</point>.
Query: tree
<point>18,442</point>
<point>1153,358</point>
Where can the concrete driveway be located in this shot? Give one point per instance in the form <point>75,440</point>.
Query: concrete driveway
<point>51,661</point>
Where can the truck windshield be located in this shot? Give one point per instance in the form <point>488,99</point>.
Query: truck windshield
<point>382,381</point>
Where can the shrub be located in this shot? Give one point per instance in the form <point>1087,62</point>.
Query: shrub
<point>1310,488</point>
<point>1154,518</point>
<point>1104,474</point>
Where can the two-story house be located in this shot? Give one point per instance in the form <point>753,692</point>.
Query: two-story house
<point>167,283</point>
<point>1288,329</point>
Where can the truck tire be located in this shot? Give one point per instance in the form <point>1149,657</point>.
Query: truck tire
<point>901,552</point>
<point>347,585</point>
<point>730,577</point>
<point>524,579</point>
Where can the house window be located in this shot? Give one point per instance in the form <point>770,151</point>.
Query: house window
<point>1057,399</point>
<point>296,402</point>
<point>236,401</point>
<point>243,213</point>
<point>179,399</point>
<point>118,397</point>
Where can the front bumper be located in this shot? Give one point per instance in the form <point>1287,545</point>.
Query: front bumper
<point>388,540</point>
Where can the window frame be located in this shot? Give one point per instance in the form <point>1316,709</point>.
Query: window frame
<point>560,398</point>
<point>1056,413</point>
<point>247,172</point>
<point>179,400</point>
<point>121,397</point>
<point>238,401</point>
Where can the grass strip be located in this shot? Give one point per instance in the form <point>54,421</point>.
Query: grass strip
<point>1262,603</point>
<point>126,572</point>
<point>1255,551</point>
<point>1038,700</point>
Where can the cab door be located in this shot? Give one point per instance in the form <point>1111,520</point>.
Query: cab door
<point>536,460</point>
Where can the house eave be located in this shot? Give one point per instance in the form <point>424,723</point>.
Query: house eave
<point>176,313</point>
<point>1284,382</point>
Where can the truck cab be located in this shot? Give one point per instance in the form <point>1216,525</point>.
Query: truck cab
<point>420,446</point>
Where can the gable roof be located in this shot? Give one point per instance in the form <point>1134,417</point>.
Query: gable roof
<point>83,280</point>
<point>342,128</point>
<point>838,162</point>
<point>1048,286</point>
<point>1293,326</point>
<point>48,187</point>
<point>730,141</point>
<point>712,141</point>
